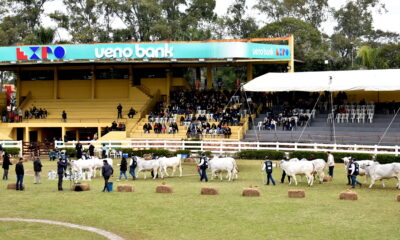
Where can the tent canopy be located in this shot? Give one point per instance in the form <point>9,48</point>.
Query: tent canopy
<point>353,80</point>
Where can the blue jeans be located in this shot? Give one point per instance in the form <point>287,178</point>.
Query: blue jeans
<point>20,180</point>
<point>203,174</point>
<point>269,177</point>
<point>354,181</point>
<point>122,173</point>
<point>132,172</point>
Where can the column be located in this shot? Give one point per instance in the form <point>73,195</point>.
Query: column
<point>26,135</point>
<point>249,72</point>
<point>169,80</point>
<point>209,76</point>
<point>130,82</point>
<point>93,87</point>
<point>291,62</point>
<point>55,85</point>
<point>77,134</point>
<point>63,132</point>
<point>98,133</point>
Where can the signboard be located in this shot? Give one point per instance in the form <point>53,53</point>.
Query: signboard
<point>217,50</point>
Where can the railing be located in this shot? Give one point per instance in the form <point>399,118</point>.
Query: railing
<point>12,144</point>
<point>222,147</point>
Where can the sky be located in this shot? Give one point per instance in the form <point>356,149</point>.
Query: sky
<point>388,21</point>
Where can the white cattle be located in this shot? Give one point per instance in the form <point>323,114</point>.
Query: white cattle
<point>362,165</point>
<point>319,167</point>
<point>81,165</point>
<point>148,165</point>
<point>52,175</point>
<point>293,168</point>
<point>378,171</point>
<point>172,162</point>
<point>98,164</point>
<point>219,165</point>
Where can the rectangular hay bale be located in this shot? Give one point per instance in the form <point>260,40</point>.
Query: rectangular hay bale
<point>78,187</point>
<point>348,195</point>
<point>125,188</point>
<point>251,192</point>
<point>13,186</point>
<point>209,191</point>
<point>296,193</point>
<point>164,189</point>
<point>327,179</point>
<point>398,198</point>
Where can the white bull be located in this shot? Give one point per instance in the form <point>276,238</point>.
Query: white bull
<point>362,165</point>
<point>148,165</point>
<point>172,162</point>
<point>294,168</point>
<point>219,165</point>
<point>378,171</point>
<point>319,167</point>
<point>81,165</point>
<point>98,164</point>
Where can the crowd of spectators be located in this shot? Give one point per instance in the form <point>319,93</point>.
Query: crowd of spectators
<point>170,128</point>
<point>34,112</point>
<point>115,127</point>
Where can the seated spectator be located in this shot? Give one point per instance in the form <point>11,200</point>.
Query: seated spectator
<point>131,113</point>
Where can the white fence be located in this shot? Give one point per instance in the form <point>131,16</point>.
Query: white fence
<point>12,144</point>
<point>228,147</point>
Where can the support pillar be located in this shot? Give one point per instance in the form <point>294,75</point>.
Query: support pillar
<point>93,85</point>
<point>291,62</point>
<point>63,132</point>
<point>130,82</point>
<point>55,84</point>
<point>169,80</point>
<point>209,77</point>
<point>77,134</point>
<point>98,133</point>
<point>249,72</point>
<point>26,135</point>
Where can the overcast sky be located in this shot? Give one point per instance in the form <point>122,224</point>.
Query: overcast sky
<point>388,21</point>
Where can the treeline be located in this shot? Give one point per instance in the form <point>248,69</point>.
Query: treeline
<point>354,43</point>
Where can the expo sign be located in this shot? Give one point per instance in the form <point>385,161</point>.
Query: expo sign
<point>136,52</point>
<point>40,53</point>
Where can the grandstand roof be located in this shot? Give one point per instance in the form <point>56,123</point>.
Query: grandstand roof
<point>354,80</point>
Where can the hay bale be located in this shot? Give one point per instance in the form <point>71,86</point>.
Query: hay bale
<point>125,188</point>
<point>398,198</point>
<point>147,156</point>
<point>298,193</point>
<point>13,186</point>
<point>1,162</point>
<point>251,192</point>
<point>164,189</point>
<point>189,160</point>
<point>79,187</point>
<point>327,179</point>
<point>209,191</point>
<point>348,195</point>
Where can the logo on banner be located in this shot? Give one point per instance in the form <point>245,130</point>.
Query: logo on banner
<point>40,53</point>
<point>282,52</point>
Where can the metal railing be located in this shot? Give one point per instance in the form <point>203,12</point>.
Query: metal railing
<point>222,147</point>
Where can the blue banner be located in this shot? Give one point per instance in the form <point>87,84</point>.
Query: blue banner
<point>217,50</point>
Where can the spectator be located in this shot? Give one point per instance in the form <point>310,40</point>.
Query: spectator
<point>37,168</point>
<point>19,171</point>
<point>123,167</point>
<point>131,113</point>
<point>64,116</point>
<point>119,108</point>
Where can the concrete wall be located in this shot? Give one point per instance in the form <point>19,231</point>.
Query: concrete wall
<point>39,89</point>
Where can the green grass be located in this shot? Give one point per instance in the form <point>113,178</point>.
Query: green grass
<point>186,214</point>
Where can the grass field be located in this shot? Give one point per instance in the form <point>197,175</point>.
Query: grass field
<point>186,214</point>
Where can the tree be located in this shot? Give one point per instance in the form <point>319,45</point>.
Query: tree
<point>238,25</point>
<point>314,12</point>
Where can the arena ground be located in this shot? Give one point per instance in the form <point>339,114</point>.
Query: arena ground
<point>186,214</point>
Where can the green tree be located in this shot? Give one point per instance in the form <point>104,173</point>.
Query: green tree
<point>238,25</point>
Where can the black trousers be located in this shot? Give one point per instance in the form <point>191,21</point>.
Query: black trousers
<point>5,174</point>
<point>283,177</point>
<point>60,181</point>
<point>106,183</point>
<point>119,114</point>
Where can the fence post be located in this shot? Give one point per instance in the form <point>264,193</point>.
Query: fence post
<point>220,147</point>
<point>315,146</point>
<point>258,145</point>
<point>376,149</point>
<point>183,145</point>
<point>277,146</point>
<point>295,146</point>
<point>239,146</point>
<point>355,147</point>
<point>20,148</point>
<point>396,150</point>
<point>165,144</point>
<point>147,144</point>
<point>201,146</point>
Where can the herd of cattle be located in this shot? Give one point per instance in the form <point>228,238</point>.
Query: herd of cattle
<point>310,169</point>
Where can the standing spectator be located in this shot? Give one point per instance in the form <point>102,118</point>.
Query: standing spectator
<point>107,171</point>
<point>91,150</point>
<point>268,168</point>
<point>20,115</point>
<point>132,166</point>
<point>331,163</point>
<point>19,171</point>
<point>6,164</point>
<point>37,167</point>
<point>64,116</point>
<point>203,167</point>
<point>78,149</point>
<point>353,172</point>
<point>61,166</point>
<point>103,151</point>
<point>122,168</point>
<point>1,152</point>
<point>119,108</point>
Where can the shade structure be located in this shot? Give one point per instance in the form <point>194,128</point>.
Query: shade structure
<point>352,80</point>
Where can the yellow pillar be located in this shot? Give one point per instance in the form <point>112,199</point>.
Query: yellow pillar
<point>169,80</point>
<point>39,135</point>
<point>77,134</point>
<point>19,89</point>
<point>249,72</point>
<point>98,132</point>
<point>130,82</point>
<point>93,85</point>
<point>55,85</point>
<point>291,62</point>
<point>26,135</point>
<point>209,77</point>
<point>63,132</point>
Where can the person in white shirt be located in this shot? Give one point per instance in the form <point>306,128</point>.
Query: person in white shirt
<point>331,163</point>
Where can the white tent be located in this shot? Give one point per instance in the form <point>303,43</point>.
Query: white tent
<point>354,80</point>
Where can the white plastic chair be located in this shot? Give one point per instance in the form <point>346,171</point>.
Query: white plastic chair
<point>260,125</point>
